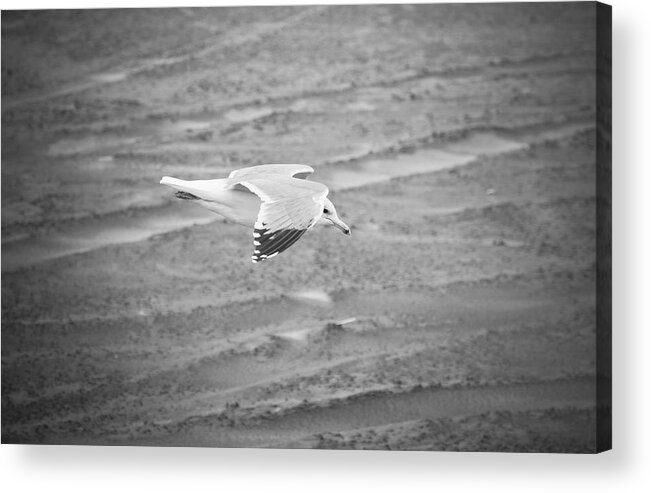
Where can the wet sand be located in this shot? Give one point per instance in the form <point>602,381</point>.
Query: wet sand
<point>458,316</point>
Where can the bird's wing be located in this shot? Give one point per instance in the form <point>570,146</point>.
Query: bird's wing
<point>289,208</point>
<point>272,170</point>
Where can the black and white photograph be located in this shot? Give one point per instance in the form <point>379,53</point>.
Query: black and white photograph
<point>366,227</point>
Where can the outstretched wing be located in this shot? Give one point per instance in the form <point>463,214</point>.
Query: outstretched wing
<point>289,208</point>
<point>271,170</point>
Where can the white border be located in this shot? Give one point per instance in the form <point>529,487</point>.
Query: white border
<point>39,468</point>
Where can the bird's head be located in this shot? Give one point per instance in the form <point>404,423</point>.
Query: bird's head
<point>329,217</point>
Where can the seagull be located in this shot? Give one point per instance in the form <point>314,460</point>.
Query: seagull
<point>274,199</point>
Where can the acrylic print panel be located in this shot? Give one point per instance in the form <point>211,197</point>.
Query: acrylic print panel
<point>458,141</point>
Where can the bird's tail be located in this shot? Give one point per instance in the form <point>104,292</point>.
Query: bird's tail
<point>195,189</point>
<point>174,183</point>
<point>181,186</point>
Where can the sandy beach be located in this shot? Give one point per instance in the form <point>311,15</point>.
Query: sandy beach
<point>458,142</point>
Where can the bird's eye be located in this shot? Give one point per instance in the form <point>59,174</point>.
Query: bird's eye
<point>326,211</point>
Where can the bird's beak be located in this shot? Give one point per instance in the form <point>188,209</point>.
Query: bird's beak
<point>339,224</point>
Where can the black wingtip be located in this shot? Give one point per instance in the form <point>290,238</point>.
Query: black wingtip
<point>269,243</point>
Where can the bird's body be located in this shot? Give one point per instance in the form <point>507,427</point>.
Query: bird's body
<point>272,199</point>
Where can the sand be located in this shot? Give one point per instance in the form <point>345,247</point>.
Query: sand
<point>459,144</point>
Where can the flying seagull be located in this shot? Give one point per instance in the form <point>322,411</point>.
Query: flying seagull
<point>274,199</point>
